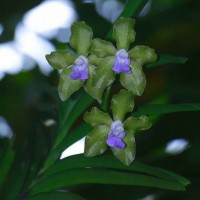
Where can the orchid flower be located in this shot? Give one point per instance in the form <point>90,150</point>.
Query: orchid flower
<point>127,63</point>
<point>76,68</point>
<point>114,132</point>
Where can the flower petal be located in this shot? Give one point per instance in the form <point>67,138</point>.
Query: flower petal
<point>123,32</point>
<point>95,141</point>
<point>115,142</point>
<point>97,117</point>
<point>143,54</point>
<point>96,93</point>
<point>60,59</point>
<point>134,124</point>
<point>102,77</point>
<point>94,60</point>
<point>126,155</point>
<point>102,48</point>
<point>122,103</point>
<point>81,37</point>
<point>67,86</point>
<point>136,81</point>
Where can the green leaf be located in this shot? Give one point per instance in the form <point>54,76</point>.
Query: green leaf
<point>74,135</point>
<point>136,81</point>
<point>158,109</point>
<point>123,32</point>
<point>6,163</point>
<point>110,162</point>
<point>103,76</point>
<point>133,7</point>
<point>76,107</point>
<point>97,117</point>
<point>68,178</point>
<point>102,48</point>
<point>95,141</point>
<point>81,37</point>
<point>126,155</point>
<point>67,86</point>
<point>122,103</point>
<point>83,102</point>
<point>143,54</point>
<point>60,59</point>
<point>55,196</point>
<point>167,59</point>
<point>133,124</point>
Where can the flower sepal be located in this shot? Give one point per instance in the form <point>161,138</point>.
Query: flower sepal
<point>136,81</point>
<point>97,117</point>
<point>143,54</point>
<point>95,141</point>
<point>81,38</point>
<point>123,32</point>
<point>60,59</point>
<point>122,103</point>
<point>135,124</point>
<point>66,86</point>
<point>102,48</point>
<point>126,155</point>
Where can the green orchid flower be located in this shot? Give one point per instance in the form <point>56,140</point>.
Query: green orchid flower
<point>76,69</point>
<point>115,132</point>
<point>121,61</point>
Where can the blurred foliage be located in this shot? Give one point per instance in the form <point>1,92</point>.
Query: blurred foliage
<point>29,98</point>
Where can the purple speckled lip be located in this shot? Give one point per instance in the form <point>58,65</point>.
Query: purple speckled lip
<point>122,62</point>
<point>115,135</point>
<point>80,69</point>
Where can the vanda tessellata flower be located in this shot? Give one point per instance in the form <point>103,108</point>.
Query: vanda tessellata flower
<point>76,69</point>
<point>127,63</point>
<point>114,132</point>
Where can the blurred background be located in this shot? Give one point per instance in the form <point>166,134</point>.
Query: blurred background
<point>31,29</point>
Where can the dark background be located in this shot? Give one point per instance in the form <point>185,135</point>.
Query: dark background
<point>170,27</point>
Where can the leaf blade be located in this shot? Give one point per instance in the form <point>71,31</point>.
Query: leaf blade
<point>166,59</point>
<point>158,109</point>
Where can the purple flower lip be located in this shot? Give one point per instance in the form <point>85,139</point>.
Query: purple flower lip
<point>122,62</point>
<point>115,135</point>
<point>80,69</point>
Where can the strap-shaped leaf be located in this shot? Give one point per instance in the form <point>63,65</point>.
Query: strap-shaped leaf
<point>126,155</point>
<point>102,176</point>
<point>60,59</point>
<point>134,124</point>
<point>167,59</point>
<point>103,76</point>
<point>159,109</point>
<point>55,196</point>
<point>95,141</point>
<point>97,117</point>
<point>6,162</point>
<point>109,162</point>
<point>143,54</point>
<point>102,48</point>
<point>123,32</point>
<point>122,103</point>
<point>136,81</point>
<point>67,86</point>
<point>81,38</point>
